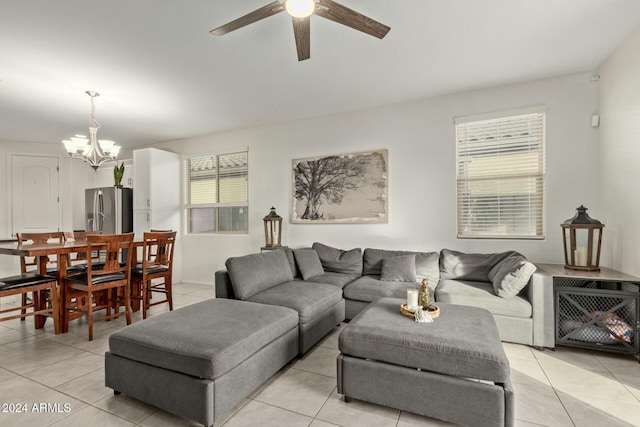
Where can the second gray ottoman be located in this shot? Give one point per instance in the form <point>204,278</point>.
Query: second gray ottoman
<point>454,369</point>
<point>202,360</point>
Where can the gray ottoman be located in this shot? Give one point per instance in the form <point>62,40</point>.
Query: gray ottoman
<point>453,369</point>
<point>201,361</point>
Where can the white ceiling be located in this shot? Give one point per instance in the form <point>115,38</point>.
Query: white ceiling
<point>162,76</point>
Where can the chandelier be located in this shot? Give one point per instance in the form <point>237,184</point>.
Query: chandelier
<point>93,151</point>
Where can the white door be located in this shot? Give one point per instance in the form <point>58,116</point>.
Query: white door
<point>35,199</point>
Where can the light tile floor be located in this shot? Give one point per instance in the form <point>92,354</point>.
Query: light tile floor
<point>58,380</point>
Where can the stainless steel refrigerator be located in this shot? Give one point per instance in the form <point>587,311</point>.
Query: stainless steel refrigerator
<point>109,210</point>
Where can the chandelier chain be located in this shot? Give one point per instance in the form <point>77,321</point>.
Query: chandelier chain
<point>92,121</point>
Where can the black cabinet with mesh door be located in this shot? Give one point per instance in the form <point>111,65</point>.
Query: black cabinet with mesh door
<point>602,315</point>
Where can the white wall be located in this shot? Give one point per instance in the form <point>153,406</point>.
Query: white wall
<point>420,139</point>
<point>619,153</point>
<point>422,192</point>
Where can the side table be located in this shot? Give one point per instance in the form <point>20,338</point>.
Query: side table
<point>598,310</point>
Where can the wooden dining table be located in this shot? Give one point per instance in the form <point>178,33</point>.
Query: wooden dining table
<point>42,252</point>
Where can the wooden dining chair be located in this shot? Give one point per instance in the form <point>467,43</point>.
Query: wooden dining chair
<point>114,276</point>
<point>36,284</point>
<point>153,274</point>
<point>79,261</point>
<point>30,264</point>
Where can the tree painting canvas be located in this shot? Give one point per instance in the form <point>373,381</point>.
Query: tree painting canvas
<point>346,188</point>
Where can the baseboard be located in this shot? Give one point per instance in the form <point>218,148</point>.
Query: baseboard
<point>195,282</point>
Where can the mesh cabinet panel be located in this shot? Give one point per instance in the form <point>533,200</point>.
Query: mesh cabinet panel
<point>594,314</point>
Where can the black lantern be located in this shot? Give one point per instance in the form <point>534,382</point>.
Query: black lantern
<point>582,237</point>
<point>273,229</point>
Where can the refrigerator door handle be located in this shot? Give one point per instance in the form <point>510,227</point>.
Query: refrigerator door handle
<point>100,213</point>
<point>94,220</point>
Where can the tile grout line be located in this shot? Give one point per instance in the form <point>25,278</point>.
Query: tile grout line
<point>555,391</point>
<point>325,402</point>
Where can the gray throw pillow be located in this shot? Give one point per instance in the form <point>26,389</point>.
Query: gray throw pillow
<point>401,268</point>
<point>338,260</point>
<point>511,275</point>
<point>308,263</point>
<point>474,267</point>
<point>427,263</point>
<point>255,273</point>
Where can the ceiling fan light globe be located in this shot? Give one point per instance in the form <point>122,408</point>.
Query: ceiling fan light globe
<point>300,8</point>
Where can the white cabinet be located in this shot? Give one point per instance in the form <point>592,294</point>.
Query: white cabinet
<point>141,222</point>
<point>156,196</point>
<point>127,177</point>
<point>156,190</point>
<point>142,179</point>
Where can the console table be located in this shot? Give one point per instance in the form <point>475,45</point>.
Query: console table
<point>595,309</point>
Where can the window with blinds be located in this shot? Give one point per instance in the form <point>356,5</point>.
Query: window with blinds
<point>216,193</point>
<point>500,176</point>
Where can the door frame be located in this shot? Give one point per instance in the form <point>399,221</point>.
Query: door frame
<point>10,156</point>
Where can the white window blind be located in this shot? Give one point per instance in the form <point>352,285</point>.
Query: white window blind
<point>216,193</point>
<point>500,177</point>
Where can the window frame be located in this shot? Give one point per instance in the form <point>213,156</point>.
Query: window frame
<point>540,174</point>
<point>186,188</point>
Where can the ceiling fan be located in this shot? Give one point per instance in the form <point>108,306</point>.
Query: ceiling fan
<point>301,11</point>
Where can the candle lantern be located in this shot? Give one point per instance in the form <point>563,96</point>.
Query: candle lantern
<point>273,229</point>
<point>582,237</point>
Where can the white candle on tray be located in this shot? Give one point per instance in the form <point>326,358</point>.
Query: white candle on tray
<point>412,299</point>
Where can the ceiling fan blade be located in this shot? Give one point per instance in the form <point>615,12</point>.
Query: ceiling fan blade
<point>343,15</point>
<point>302,32</point>
<point>250,18</point>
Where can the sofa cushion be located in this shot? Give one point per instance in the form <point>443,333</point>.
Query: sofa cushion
<point>427,263</point>
<point>370,288</point>
<point>308,263</point>
<point>292,262</point>
<point>475,267</point>
<point>254,273</point>
<point>511,275</point>
<point>480,294</point>
<point>309,299</point>
<point>335,279</point>
<point>401,268</point>
<point>205,339</point>
<point>338,260</point>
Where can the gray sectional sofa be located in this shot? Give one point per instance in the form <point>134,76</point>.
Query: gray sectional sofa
<point>267,278</point>
<point>505,284</point>
<point>290,299</point>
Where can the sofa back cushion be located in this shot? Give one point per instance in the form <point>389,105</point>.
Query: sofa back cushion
<point>426,263</point>
<point>251,274</point>
<point>292,263</point>
<point>401,268</point>
<point>338,260</point>
<point>474,267</point>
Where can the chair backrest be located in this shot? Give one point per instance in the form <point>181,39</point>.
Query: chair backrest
<point>158,249</point>
<point>115,247</point>
<point>81,236</point>
<point>31,263</point>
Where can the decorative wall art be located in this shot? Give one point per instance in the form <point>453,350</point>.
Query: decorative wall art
<point>341,189</point>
